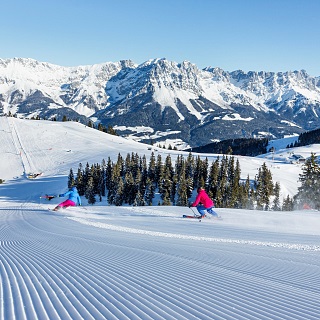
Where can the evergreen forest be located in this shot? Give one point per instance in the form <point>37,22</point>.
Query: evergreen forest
<point>136,181</point>
<point>242,146</point>
<point>306,138</point>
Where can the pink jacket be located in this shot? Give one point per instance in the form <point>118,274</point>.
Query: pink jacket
<point>204,199</point>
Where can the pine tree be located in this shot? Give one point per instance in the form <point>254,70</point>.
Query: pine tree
<point>118,197</point>
<point>189,182</point>
<point>259,190</point>
<point>169,167</point>
<point>231,188</point>
<point>276,200</point>
<point>252,198</point>
<point>102,182</point>
<point>150,192</point>
<point>139,200</point>
<point>80,181</point>
<point>182,191</point>
<point>244,195</point>
<point>89,192</point>
<point>178,166</point>
<point>204,172</point>
<point>139,186</point>
<point>144,171</point>
<point>127,164</point>
<point>173,190</point>
<point>308,192</point>
<point>213,179</point>
<point>129,188</point>
<point>223,179</point>
<point>287,204</point>
<point>115,180</point>
<point>134,164</point>
<point>101,185</point>
<point>264,187</point>
<point>158,170</point>
<point>110,130</point>
<point>229,151</point>
<point>235,196</point>
<point>165,187</point>
<point>100,127</point>
<point>197,173</point>
<point>108,173</point>
<point>190,167</point>
<point>96,173</point>
<point>86,174</point>
<point>166,198</point>
<point>120,165</point>
<point>152,168</point>
<point>71,180</point>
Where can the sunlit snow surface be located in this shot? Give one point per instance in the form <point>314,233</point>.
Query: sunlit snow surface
<point>106,262</point>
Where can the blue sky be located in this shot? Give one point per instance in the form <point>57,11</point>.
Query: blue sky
<point>269,35</point>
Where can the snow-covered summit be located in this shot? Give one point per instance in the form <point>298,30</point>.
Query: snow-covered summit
<point>79,88</point>
<point>164,96</point>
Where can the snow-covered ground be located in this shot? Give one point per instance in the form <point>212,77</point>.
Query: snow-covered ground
<point>106,262</point>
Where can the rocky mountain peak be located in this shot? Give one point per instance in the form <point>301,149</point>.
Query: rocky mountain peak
<point>161,95</point>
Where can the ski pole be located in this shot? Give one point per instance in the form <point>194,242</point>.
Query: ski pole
<point>192,211</point>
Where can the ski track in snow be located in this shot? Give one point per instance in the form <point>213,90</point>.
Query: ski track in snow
<point>53,267</point>
<point>197,238</point>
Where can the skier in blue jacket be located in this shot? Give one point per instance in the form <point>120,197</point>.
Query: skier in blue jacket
<point>73,199</point>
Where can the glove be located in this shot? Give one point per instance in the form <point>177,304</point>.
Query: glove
<point>60,195</point>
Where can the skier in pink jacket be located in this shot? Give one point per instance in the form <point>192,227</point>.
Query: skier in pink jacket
<point>203,202</point>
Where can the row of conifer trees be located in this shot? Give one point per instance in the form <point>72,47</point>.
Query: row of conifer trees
<point>135,181</point>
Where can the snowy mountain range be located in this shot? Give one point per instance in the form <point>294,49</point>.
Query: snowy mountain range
<point>161,100</point>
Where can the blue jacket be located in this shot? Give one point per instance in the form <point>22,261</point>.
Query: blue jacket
<point>73,195</point>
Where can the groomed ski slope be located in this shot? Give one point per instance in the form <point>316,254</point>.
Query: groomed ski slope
<point>133,263</point>
<point>106,262</point>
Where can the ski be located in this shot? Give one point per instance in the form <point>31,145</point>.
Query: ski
<point>192,217</point>
<point>48,197</point>
<point>54,210</point>
<point>199,217</point>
